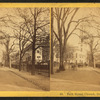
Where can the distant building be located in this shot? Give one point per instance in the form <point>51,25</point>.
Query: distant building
<point>75,54</point>
<point>41,53</point>
<point>97,59</point>
<point>56,55</point>
<point>38,55</point>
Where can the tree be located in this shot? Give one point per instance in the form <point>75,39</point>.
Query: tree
<point>64,26</point>
<point>20,34</point>
<point>33,22</point>
<point>9,48</point>
<point>51,41</point>
<point>89,35</point>
<point>23,41</point>
<point>93,41</point>
<point>5,41</point>
<point>40,25</point>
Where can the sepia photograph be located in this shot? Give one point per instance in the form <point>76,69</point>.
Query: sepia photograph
<point>24,49</point>
<point>75,49</point>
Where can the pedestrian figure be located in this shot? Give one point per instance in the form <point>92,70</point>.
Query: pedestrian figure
<point>74,67</point>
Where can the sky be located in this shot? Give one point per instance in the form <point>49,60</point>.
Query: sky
<point>73,40</point>
<point>13,12</point>
<point>83,12</point>
<point>4,12</point>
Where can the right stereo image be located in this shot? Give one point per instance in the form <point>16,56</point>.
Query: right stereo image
<point>75,49</point>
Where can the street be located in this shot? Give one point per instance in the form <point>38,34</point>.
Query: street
<point>82,79</point>
<point>11,82</point>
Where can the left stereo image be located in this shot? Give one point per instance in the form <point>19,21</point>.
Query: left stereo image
<point>25,49</point>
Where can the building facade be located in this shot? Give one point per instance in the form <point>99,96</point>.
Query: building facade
<point>74,54</point>
<point>42,53</point>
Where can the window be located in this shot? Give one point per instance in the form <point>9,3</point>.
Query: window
<point>71,55</point>
<point>29,58</point>
<point>38,57</point>
<point>37,51</point>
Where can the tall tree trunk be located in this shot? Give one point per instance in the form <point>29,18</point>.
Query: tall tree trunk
<point>33,45</point>
<point>61,68</point>
<point>63,54</point>
<point>7,60</point>
<point>92,60</point>
<point>91,55</point>
<point>7,51</point>
<point>20,57</point>
<point>33,59</point>
<point>51,41</point>
<point>60,41</point>
<point>20,62</point>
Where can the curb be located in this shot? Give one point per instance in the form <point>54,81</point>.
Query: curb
<point>96,71</point>
<point>33,82</point>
